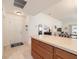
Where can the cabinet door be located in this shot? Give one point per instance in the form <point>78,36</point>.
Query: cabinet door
<point>67,57</point>
<point>44,53</point>
<point>61,54</point>
<point>34,51</point>
<point>44,46</point>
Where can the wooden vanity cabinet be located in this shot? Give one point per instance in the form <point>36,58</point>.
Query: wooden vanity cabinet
<point>41,50</point>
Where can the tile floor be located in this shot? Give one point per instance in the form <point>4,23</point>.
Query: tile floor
<point>19,52</point>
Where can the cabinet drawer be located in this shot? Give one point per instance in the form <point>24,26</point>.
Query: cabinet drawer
<point>63,54</point>
<point>44,45</point>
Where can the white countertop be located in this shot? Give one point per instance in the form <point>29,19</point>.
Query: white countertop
<point>67,44</point>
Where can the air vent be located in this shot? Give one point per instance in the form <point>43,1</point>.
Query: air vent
<point>20,3</point>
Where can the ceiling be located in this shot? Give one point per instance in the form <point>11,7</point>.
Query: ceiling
<point>32,7</point>
<point>64,10</point>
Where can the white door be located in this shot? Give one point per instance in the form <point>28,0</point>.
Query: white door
<point>14,28</point>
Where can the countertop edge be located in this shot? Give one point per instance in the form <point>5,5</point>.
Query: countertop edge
<point>60,47</point>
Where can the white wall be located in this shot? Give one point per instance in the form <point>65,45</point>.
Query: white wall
<point>13,27</point>
<point>70,22</point>
<point>43,19</point>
